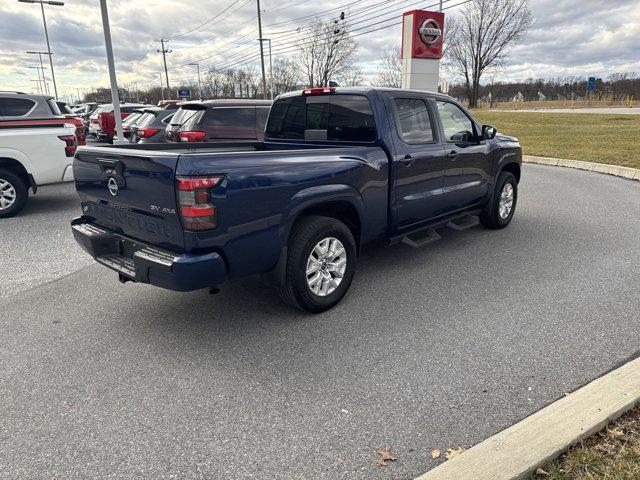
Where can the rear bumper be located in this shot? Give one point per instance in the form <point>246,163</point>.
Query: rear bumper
<point>141,262</point>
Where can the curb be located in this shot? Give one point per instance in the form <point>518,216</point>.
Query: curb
<point>517,451</point>
<point>618,171</point>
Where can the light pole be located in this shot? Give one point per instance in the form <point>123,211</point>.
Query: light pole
<point>46,34</point>
<point>44,80</point>
<point>199,85</point>
<point>38,72</point>
<point>112,71</point>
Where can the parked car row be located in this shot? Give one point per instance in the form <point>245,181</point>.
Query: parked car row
<point>36,147</point>
<point>197,121</point>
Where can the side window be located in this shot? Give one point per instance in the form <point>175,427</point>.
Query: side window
<point>287,118</point>
<point>457,126</point>
<point>15,107</point>
<point>414,125</point>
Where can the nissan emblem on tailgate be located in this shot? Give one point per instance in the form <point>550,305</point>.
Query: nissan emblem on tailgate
<point>112,185</point>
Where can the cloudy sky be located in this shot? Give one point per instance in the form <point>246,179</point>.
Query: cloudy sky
<point>568,37</point>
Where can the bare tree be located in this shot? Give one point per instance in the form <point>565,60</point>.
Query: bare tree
<point>390,69</point>
<point>325,51</point>
<point>479,36</point>
<point>352,76</point>
<point>286,76</point>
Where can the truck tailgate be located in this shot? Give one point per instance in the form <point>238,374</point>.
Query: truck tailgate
<point>131,193</point>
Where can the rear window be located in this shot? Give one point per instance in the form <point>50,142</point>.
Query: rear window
<point>131,119</point>
<point>184,114</point>
<point>346,118</point>
<point>146,119</point>
<point>15,107</point>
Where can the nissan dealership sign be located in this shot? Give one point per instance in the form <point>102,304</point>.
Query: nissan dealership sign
<point>422,34</point>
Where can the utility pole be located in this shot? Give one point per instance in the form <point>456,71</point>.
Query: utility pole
<point>270,66</point>
<point>199,84</point>
<point>112,70</point>
<point>46,34</point>
<point>264,77</point>
<point>164,51</point>
<point>440,8</point>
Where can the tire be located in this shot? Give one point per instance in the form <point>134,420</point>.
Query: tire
<point>308,237</point>
<point>493,216</point>
<point>13,193</point>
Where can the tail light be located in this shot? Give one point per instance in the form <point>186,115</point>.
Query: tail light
<point>194,200</point>
<point>318,91</point>
<point>71,144</point>
<point>191,136</point>
<point>147,132</point>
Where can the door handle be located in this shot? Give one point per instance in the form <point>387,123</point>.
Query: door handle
<point>452,154</point>
<point>408,160</point>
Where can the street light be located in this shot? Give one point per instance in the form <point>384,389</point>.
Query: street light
<point>38,72</point>
<point>199,87</point>
<point>46,87</point>
<point>46,34</point>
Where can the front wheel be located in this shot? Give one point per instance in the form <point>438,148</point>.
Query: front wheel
<point>500,209</point>
<point>13,193</point>
<point>321,261</point>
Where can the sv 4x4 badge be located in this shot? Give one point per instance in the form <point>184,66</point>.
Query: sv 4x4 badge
<point>155,208</point>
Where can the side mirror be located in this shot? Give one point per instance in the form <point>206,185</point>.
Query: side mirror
<point>488,132</point>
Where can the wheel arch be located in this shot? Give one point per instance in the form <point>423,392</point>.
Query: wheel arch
<point>514,168</point>
<point>19,169</point>
<point>341,202</point>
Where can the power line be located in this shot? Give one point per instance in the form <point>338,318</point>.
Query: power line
<point>234,62</point>
<point>189,32</point>
<point>294,44</point>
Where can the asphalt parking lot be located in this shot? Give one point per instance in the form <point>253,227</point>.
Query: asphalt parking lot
<point>432,348</point>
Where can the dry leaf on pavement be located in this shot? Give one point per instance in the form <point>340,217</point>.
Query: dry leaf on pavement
<point>435,453</point>
<point>385,456</point>
<point>450,453</point>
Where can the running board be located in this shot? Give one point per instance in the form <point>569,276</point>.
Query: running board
<point>426,235</point>
<point>421,238</point>
<point>465,223</point>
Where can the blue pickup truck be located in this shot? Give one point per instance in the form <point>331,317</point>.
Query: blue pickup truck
<point>339,168</point>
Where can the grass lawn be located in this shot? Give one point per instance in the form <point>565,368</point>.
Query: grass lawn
<point>612,454</point>
<point>592,137</point>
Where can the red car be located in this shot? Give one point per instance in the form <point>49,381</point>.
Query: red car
<point>75,120</point>
<point>107,121</point>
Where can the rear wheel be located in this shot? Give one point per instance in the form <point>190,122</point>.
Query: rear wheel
<point>320,264</point>
<point>13,193</point>
<point>500,209</point>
